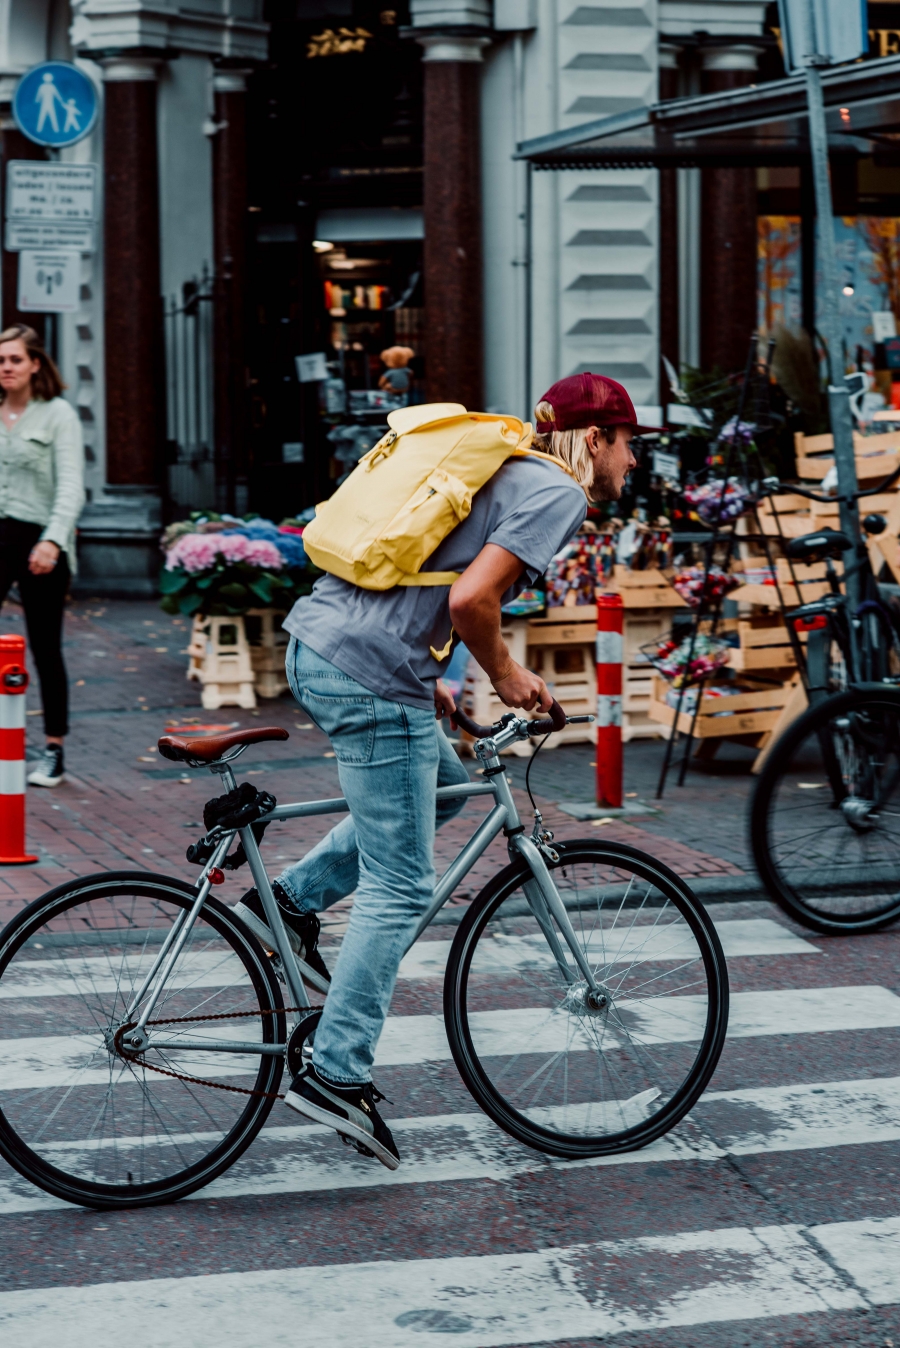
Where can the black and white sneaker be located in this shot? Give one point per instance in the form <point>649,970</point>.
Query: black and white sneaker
<point>349,1109</point>
<point>50,770</point>
<point>302,929</point>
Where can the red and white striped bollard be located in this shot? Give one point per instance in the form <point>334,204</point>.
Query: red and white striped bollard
<point>13,683</point>
<point>610,611</point>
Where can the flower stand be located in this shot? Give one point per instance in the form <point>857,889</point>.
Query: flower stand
<point>226,671</point>
<point>268,643</point>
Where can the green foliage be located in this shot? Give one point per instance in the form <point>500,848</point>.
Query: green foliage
<point>229,589</point>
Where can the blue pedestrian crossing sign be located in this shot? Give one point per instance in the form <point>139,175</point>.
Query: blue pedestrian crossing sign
<point>55,104</point>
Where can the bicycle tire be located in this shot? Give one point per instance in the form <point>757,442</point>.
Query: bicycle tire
<point>809,888</point>
<point>77,952</point>
<point>474,1038</point>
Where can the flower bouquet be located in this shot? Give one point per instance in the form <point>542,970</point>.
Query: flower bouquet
<point>717,501</point>
<point>709,655</point>
<point>223,566</point>
<point>695,586</point>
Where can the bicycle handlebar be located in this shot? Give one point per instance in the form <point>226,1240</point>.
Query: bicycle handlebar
<point>846,496</point>
<point>557,720</point>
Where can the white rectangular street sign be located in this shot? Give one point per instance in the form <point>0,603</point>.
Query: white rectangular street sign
<point>884,324</point>
<point>57,234</point>
<point>311,368</point>
<point>49,282</point>
<point>835,29</point>
<point>50,193</point>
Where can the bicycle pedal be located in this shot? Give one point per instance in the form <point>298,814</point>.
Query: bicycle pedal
<point>277,966</point>
<point>357,1146</point>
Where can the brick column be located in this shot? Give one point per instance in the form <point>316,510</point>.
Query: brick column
<point>452,208</point>
<point>230,246</point>
<point>135,382</point>
<point>728,232</point>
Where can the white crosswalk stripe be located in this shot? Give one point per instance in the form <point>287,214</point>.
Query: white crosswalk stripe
<point>704,1277</point>
<point>70,976</point>
<point>728,1274</point>
<point>33,1062</point>
<point>450,1147</point>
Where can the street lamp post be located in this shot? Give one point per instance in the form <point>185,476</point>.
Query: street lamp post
<point>815,33</point>
<point>838,393</point>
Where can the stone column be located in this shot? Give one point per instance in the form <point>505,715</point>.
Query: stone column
<point>119,534</point>
<point>728,310</point>
<point>135,383</point>
<point>668,233</point>
<point>452,208</point>
<point>230,246</point>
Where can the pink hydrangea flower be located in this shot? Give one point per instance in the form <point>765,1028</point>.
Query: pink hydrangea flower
<point>199,552</point>
<point>194,552</point>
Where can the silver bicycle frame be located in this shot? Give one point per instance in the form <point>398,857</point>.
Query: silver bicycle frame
<point>541,893</point>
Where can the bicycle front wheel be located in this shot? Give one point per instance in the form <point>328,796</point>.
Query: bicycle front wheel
<point>825,817</point>
<point>80,1115</point>
<point>552,1071</point>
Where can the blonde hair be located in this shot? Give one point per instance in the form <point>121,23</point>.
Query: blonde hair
<point>570,446</point>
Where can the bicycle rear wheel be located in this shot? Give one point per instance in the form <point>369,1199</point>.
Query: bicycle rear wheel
<point>553,1073</point>
<point>825,816</point>
<point>89,1123</point>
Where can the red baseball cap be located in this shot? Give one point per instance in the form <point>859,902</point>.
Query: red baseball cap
<point>590,400</point>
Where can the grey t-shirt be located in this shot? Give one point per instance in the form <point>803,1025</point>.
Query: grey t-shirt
<point>382,638</point>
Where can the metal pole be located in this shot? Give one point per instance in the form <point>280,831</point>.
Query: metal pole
<point>838,393</point>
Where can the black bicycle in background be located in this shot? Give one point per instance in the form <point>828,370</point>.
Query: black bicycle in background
<point>825,815</point>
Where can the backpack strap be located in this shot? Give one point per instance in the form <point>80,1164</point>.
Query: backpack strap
<point>526,452</point>
<point>430,578</point>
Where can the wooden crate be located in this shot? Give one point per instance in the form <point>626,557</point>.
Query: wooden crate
<point>641,623</point>
<point>478,698</point>
<point>569,670</point>
<point>876,455</point>
<point>765,645</point>
<point>640,627</point>
<point>753,711</point>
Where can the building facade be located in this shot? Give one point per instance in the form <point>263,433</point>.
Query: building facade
<point>285,177</point>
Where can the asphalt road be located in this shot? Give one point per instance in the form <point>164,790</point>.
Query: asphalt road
<point>769,1215</point>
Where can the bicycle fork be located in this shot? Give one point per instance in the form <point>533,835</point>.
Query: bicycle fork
<point>543,897</point>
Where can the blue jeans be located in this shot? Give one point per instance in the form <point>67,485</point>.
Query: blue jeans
<point>391,758</point>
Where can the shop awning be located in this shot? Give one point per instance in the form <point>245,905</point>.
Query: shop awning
<point>762,124</point>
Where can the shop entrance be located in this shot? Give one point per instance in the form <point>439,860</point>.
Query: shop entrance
<point>334,237</point>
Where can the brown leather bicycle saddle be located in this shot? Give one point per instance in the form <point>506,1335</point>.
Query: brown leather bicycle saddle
<point>213,747</point>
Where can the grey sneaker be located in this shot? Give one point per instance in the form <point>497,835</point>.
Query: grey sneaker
<point>50,770</point>
<point>349,1109</point>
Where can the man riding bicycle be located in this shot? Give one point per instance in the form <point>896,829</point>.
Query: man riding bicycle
<point>360,665</point>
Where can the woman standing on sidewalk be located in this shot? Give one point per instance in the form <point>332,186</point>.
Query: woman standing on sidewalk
<point>41,496</point>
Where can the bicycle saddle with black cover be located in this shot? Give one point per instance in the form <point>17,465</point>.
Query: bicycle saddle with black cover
<point>816,547</point>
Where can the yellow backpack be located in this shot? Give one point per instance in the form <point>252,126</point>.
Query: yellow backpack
<point>410,491</point>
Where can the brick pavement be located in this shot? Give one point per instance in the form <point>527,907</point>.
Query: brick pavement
<point>125,807</point>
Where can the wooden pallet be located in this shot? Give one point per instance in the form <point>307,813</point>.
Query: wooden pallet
<point>752,712</point>
<point>876,455</point>
<point>765,644</point>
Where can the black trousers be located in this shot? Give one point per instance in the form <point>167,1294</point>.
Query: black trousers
<point>43,599</point>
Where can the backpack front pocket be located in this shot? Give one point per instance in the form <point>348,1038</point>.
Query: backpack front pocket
<point>442,502</point>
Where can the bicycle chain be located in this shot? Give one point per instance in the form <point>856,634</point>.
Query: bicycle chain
<point>183,1020</point>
